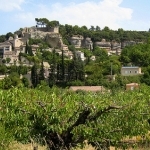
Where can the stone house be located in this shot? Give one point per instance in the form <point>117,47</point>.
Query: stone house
<point>130,71</point>
<point>7,52</point>
<point>80,55</point>
<point>132,86</point>
<point>5,46</point>
<point>47,69</point>
<point>3,76</point>
<point>18,42</point>
<point>34,48</point>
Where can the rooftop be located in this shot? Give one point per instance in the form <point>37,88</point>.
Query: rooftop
<point>130,67</point>
<point>87,88</point>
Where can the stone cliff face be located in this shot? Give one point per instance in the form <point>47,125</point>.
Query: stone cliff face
<point>54,39</point>
<point>103,44</point>
<point>127,43</point>
<point>76,40</point>
<point>80,42</point>
<point>87,43</point>
<point>115,45</point>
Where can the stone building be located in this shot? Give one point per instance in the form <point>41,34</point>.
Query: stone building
<point>130,71</point>
<point>80,55</point>
<point>132,86</point>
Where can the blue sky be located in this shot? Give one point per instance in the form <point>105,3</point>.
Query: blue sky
<point>126,14</point>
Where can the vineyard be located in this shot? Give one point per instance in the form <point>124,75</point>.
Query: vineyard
<point>63,119</point>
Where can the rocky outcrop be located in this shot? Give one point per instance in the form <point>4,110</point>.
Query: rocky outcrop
<point>54,39</point>
<point>80,42</point>
<point>115,48</point>
<point>87,43</point>
<point>103,44</point>
<point>127,43</point>
<point>76,40</point>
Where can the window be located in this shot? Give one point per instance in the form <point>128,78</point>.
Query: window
<point>132,88</point>
<point>1,49</point>
<point>7,48</point>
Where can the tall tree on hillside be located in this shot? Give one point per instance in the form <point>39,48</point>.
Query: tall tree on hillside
<point>76,69</point>
<point>92,28</point>
<point>26,48</point>
<point>62,65</point>
<point>34,75</point>
<point>52,74</point>
<point>9,34</point>
<point>41,72</point>
<point>98,28</point>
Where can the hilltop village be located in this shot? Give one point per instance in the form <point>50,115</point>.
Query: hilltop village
<point>17,44</point>
<point>18,50</point>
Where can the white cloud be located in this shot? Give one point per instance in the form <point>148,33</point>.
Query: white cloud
<point>104,13</point>
<point>9,5</point>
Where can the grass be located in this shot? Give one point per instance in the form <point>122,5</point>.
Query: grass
<point>20,146</point>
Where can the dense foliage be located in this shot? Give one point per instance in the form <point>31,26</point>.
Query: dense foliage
<point>97,34</point>
<point>65,119</point>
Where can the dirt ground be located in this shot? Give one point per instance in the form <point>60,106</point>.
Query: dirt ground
<point>19,146</point>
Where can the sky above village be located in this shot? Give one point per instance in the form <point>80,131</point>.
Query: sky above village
<point>126,14</point>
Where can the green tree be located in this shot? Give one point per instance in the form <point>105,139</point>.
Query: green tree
<point>15,79</point>
<point>2,38</point>
<point>101,54</point>
<point>53,67</point>
<point>4,61</point>
<point>92,28</point>
<point>41,72</point>
<point>8,60</point>
<point>3,69</point>
<point>9,34</point>
<point>98,28</point>
<point>25,82</point>
<point>66,119</point>
<point>34,75</point>
<point>7,83</point>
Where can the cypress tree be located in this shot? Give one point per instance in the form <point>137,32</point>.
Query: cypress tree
<point>34,76</point>
<point>52,75</point>
<point>42,71</point>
